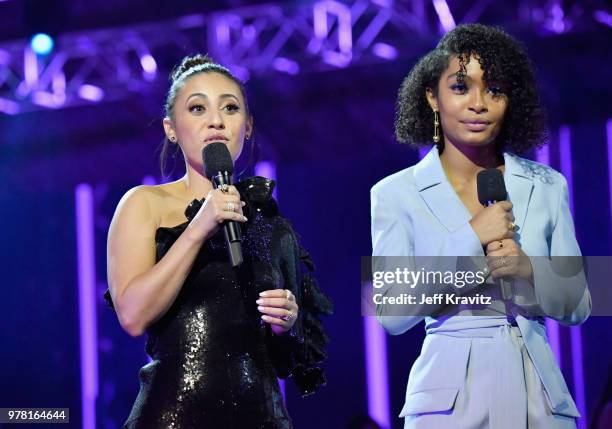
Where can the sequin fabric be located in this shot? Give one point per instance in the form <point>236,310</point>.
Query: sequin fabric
<point>214,362</point>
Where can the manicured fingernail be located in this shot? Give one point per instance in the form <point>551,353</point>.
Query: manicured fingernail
<point>243,204</point>
<point>259,301</point>
<point>263,293</point>
<point>264,317</point>
<point>260,308</point>
<point>245,218</point>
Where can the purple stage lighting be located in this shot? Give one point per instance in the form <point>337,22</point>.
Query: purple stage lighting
<point>556,22</point>
<point>87,303</point>
<point>91,93</point>
<point>340,57</point>
<point>48,100</point>
<point>9,107</point>
<point>384,51</point>
<point>267,169</point>
<point>376,371</point>
<point>286,65</point>
<point>5,57</point>
<point>578,375</point>
<point>552,326</point>
<point>565,155</point>
<point>191,21</point>
<point>444,15</point>
<point>609,141</point>
<point>603,17</point>
<point>241,73</point>
<point>149,67</point>
<point>30,65</point>
<point>543,154</point>
<point>149,180</point>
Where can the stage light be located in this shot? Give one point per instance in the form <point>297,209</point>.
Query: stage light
<point>603,17</point>
<point>444,14</point>
<point>286,65</point>
<point>41,43</point>
<point>8,106</point>
<point>149,65</point>
<point>385,51</point>
<point>91,93</point>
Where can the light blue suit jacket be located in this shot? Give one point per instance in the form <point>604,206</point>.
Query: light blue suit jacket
<point>416,212</point>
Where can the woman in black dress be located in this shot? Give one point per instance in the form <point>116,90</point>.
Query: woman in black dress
<point>218,336</point>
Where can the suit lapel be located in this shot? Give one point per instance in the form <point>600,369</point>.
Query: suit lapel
<point>445,204</point>
<point>437,192</point>
<point>520,187</point>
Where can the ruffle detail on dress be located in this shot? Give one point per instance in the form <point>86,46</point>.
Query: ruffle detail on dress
<point>307,374</point>
<point>255,191</point>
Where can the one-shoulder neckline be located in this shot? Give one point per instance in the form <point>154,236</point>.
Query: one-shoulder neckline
<point>172,227</point>
<point>186,222</point>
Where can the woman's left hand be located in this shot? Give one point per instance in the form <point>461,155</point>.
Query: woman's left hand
<point>279,309</point>
<point>506,259</point>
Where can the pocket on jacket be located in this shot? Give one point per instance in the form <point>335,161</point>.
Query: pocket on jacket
<point>437,375</point>
<point>429,401</point>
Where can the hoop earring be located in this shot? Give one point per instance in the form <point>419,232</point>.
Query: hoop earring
<point>436,136</point>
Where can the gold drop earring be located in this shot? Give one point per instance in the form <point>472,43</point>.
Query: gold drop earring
<point>436,136</point>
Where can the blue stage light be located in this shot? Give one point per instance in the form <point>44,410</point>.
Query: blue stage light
<point>41,43</point>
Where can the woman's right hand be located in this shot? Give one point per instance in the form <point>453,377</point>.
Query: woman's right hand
<point>494,222</point>
<point>216,210</point>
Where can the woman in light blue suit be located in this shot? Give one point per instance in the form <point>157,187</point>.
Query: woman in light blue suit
<point>481,366</point>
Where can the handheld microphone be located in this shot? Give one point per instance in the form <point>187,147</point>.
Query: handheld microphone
<point>491,189</point>
<point>219,167</point>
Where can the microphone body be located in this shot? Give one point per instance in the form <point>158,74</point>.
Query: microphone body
<point>219,167</point>
<point>491,189</point>
<point>231,229</point>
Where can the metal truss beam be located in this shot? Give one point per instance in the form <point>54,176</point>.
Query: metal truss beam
<point>107,65</point>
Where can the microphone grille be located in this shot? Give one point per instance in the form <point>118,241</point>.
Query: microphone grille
<point>217,158</point>
<point>491,186</point>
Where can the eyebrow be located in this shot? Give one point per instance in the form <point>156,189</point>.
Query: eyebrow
<point>222,96</point>
<point>465,76</point>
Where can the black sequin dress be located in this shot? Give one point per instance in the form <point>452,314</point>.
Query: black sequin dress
<point>214,363</point>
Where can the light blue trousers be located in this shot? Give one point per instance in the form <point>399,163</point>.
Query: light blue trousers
<point>501,387</point>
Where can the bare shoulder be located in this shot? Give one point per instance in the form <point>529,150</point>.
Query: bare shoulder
<point>154,205</point>
<point>138,204</point>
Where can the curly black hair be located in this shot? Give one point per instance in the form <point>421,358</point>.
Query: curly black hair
<point>504,62</point>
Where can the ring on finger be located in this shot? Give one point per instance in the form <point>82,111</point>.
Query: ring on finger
<point>511,226</point>
<point>224,188</point>
<point>287,294</point>
<point>231,207</point>
<point>288,317</point>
